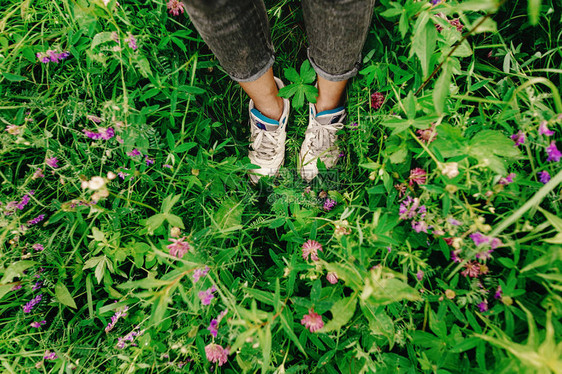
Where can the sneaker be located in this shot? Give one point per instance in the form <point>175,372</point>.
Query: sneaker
<point>268,140</point>
<point>320,141</point>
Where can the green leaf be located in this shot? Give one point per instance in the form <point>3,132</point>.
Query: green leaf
<point>185,147</point>
<point>307,73</point>
<point>493,149</point>
<point>478,5</point>
<point>16,270</point>
<point>555,221</point>
<point>403,25</point>
<point>424,41</point>
<point>266,348</point>
<point>380,289</point>
<point>100,38</point>
<point>191,90</point>
<point>410,105</point>
<point>534,9</point>
<point>394,11</point>
<point>145,283</point>
<point>63,295</point>
<point>154,222</point>
<point>175,220</point>
<point>441,90</point>
<point>342,311</point>
<point>292,75</point>
<point>379,322</point>
<point>13,77</point>
<point>398,125</point>
<point>285,317</point>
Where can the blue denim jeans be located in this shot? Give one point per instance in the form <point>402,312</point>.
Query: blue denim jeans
<point>237,31</point>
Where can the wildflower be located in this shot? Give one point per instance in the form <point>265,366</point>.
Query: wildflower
<point>456,23</point>
<point>50,355</point>
<point>518,138</point>
<point>418,176</point>
<point>13,129</point>
<point>354,126</point>
<point>485,255</point>
<point>16,287</point>
<point>478,238</point>
<point>132,42</point>
<point>454,222</point>
<point>52,162</point>
<point>37,286</point>
<point>130,337</point>
<point>455,255</point>
<point>420,226</point>
<point>149,161</point>
<point>94,119</point>
<point>483,306</point>
<point>311,248</point>
<point>122,175</point>
<point>213,327</point>
<point>175,7</point>
<point>216,353</point>
<point>401,188</point>
<point>37,324</point>
<point>450,170</point>
<point>410,208</point>
<point>207,295</point>
<point>553,153</point>
<point>312,321</point>
<point>377,99</point>
<point>544,177</point>
<point>419,275</point>
<point>332,277</point>
<point>118,314</point>
<point>135,152</point>
<point>200,273</point>
<point>472,269</point>
<point>508,179</point>
<point>167,166</point>
<point>36,220</point>
<point>544,130</point>
<point>498,293</point>
<point>450,294</point>
<point>24,201</point>
<point>427,135</point>
<point>96,183</point>
<point>179,247</point>
<point>495,243</point>
<point>38,174</point>
<point>52,56</point>
<point>435,2</point>
<point>27,308</point>
<point>329,204</point>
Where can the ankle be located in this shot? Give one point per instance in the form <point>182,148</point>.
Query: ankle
<point>273,110</point>
<point>323,106</point>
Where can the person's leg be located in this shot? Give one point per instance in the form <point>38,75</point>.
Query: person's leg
<point>336,31</point>
<point>237,32</point>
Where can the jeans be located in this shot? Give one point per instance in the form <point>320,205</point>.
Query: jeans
<point>237,32</point>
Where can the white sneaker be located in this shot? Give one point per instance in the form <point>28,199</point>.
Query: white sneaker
<point>319,141</point>
<point>268,140</point>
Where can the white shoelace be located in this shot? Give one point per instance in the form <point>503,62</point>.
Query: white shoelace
<point>323,136</point>
<point>265,144</point>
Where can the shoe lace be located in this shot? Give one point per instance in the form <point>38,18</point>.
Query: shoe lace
<point>265,144</point>
<point>322,136</point>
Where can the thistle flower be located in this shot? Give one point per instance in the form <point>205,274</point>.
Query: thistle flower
<point>27,308</point>
<point>518,138</point>
<point>52,162</point>
<point>179,247</point>
<point>417,176</point>
<point>553,153</point>
<point>377,99</point>
<point>207,295</point>
<point>311,248</point>
<point>175,7</point>
<point>216,354</point>
<point>332,277</point>
<point>329,204</point>
<point>199,273</point>
<point>544,177</point>
<point>312,321</point>
<point>543,129</point>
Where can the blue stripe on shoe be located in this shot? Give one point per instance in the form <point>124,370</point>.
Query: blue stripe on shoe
<point>331,111</point>
<point>263,118</point>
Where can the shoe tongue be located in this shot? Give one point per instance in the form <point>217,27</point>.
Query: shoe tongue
<point>263,122</point>
<point>328,117</point>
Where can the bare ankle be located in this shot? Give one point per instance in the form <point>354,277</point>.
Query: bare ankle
<point>273,110</point>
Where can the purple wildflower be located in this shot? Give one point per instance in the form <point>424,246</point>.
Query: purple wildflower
<point>108,133</point>
<point>518,138</point>
<point>135,152</point>
<point>455,255</point>
<point>454,222</point>
<point>93,118</point>
<point>553,153</point>
<point>410,208</point>
<point>130,337</point>
<point>418,176</point>
<point>498,293</point>
<point>213,327</point>
<point>544,177</point>
<point>200,273</point>
<point>132,42</point>
<point>435,2</point>
<point>332,277</point>
<point>167,166</point>
<point>91,134</point>
<point>149,161</point>
<point>52,162</point>
<point>27,308</point>
<point>495,243</point>
<point>175,7</point>
<point>483,306</point>
<point>38,174</point>
<point>37,285</point>
<point>377,99</point>
<point>544,130</point>
<point>508,179</point>
<point>485,255</point>
<point>36,220</point>
<point>207,295</point>
<point>23,202</point>
<point>179,247</point>
<point>50,355</point>
<point>118,314</point>
<point>329,204</point>
<point>16,287</point>
<point>419,275</point>
<point>37,324</point>
<point>216,353</point>
<point>420,226</point>
<point>478,238</point>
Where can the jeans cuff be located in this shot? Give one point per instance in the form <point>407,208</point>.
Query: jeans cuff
<point>257,75</point>
<point>333,77</point>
